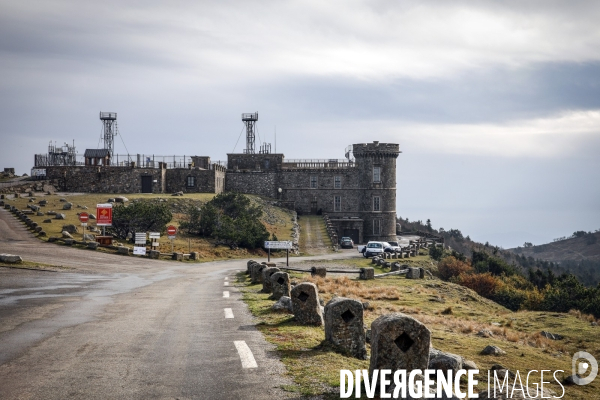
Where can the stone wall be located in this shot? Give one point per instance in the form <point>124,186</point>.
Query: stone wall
<point>96,179</point>
<point>258,183</point>
<point>205,180</point>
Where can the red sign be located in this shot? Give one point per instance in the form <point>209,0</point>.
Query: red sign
<point>104,214</point>
<point>83,217</point>
<point>171,230</point>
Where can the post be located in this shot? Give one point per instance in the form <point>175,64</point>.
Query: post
<point>189,245</point>
<point>269,256</point>
<point>172,250</point>
<point>287,257</point>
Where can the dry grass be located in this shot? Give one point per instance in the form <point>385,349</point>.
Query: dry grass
<point>346,287</point>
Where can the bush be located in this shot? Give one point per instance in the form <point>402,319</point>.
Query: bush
<point>231,219</point>
<point>139,216</point>
<point>483,284</point>
<point>510,297</point>
<point>436,252</point>
<point>449,267</point>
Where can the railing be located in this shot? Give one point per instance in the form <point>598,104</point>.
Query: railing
<point>141,161</point>
<point>314,164</point>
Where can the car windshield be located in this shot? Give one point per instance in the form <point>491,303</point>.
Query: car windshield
<point>374,245</point>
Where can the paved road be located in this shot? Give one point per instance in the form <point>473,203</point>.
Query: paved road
<point>128,328</point>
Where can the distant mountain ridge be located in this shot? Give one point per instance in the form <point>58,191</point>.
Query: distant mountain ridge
<point>585,246</point>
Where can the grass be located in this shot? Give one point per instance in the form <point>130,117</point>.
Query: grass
<point>36,266</point>
<point>313,235</point>
<point>276,220</point>
<point>453,314</point>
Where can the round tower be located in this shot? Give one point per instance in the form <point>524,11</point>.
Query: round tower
<point>376,165</point>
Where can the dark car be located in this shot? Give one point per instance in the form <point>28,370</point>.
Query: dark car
<point>346,243</point>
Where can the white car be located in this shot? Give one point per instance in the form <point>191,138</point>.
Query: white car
<point>373,248</point>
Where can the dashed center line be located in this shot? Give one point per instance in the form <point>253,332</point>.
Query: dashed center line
<point>226,283</point>
<point>226,294</point>
<point>246,355</point>
<point>228,313</point>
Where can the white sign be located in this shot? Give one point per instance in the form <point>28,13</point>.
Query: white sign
<point>140,251</point>
<point>278,245</point>
<point>140,238</point>
<point>171,237</point>
<point>154,235</point>
<point>155,244</point>
<point>84,224</point>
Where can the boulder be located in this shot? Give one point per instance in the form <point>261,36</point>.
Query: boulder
<point>87,237</point>
<point>367,273</point>
<point>10,258</point>
<point>283,304</point>
<point>42,233</point>
<point>124,250</point>
<point>121,199</point>
<point>486,333</point>
<point>442,361</point>
<point>492,350</point>
<point>67,206</point>
<point>40,214</point>
<point>66,235</point>
<point>47,221</point>
<point>551,336</point>
<point>59,216</point>
<point>91,216</point>
<point>318,271</point>
<point>154,254</point>
<point>92,245</point>
<point>69,228</point>
<point>305,304</point>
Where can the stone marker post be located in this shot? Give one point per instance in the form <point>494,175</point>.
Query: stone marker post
<point>305,304</point>
<point>280,284</point>
<point>256,273</point>
<point>267,272</point>
<point>344,326</point>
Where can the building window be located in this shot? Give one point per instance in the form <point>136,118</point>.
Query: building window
<point>191,181</point>
<point>266,163</point>
<point>313,182</point>
<point>376,174</point>
<point>376,203</point>
<point>337,203</point>
<point>337,182</point>
<point>376,227</point>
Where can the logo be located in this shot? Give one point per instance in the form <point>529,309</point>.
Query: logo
<point>580,368</point>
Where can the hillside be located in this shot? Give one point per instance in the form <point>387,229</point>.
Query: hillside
<point>584,247</point>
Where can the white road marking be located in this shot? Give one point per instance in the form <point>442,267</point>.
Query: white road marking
<point>226,294</point>
<point>228,313</point>
<point>246,355</point>
<point>226,283</point>
<point>226,278</point>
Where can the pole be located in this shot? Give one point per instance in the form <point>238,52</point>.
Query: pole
<point>172,250</point>
<point>287,257</point>
<point>269,256</point>
<point>189,245</point>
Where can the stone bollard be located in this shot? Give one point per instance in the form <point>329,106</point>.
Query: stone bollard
<point>415,273</point>
<point>374,260</point>
<point>42,233</point>
<point>305,304</point>
<point>395,267</point>
<point>399,342</point>
<point>38,229</point>
<point>280,284</point>
<point>92,245</point>
<point>177,256</point>
<point>256,273</point>
<point>69,242</point>
<point>154,254</point>
<point>123,250</point>
<point>248,264</point>
<point>344,326</point>
<point>267,272</point>
<point>194,255</point>
<point>318,271</point>
<point>367,273</point>
<point>271,264</point>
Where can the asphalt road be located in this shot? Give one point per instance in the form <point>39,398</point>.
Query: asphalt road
<point>117,327</point>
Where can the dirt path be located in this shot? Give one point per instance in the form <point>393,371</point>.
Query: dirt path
<point>313,235</point>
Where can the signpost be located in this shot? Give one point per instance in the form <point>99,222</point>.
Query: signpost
<point>104,216</point>
<point>279,245</point>
<point>154,236</point>
<point>83,218</point>
<point>171,232</point>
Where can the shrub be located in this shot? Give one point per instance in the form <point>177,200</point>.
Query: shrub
<point>449,267</point>
<point>436,252</point>
<point>483,284</point>
<point>140,216</point>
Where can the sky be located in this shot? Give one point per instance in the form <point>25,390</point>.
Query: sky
<point>495,105</point>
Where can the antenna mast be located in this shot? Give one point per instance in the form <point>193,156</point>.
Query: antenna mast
<point>109,130</point>
<point>250,122</point>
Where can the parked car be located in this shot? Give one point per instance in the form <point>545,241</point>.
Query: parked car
<point>391,247</point>
<point>346,243</point>
<point>373,248</point>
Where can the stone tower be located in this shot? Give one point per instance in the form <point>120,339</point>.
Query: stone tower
<point>376,164</point>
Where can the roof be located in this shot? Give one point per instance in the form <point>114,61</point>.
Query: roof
<point>95,153</point>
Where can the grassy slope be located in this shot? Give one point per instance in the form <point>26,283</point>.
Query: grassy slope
<point>276,220</point>
<point>314,366</point>
<point>568,249</point>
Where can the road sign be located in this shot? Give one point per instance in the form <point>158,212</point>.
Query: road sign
<point>171,230</point>
<point>104,214</point>
<point>141,251</point>
<point>140,238</point>
<point>284,245</point>
<point>84,217</point>
<point>154,235</point>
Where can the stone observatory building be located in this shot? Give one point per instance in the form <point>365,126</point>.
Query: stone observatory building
<point>358,195</point>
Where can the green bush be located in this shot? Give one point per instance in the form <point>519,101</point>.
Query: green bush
<point>139,216</point>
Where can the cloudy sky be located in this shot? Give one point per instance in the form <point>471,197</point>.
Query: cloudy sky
<point>495,105</point>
